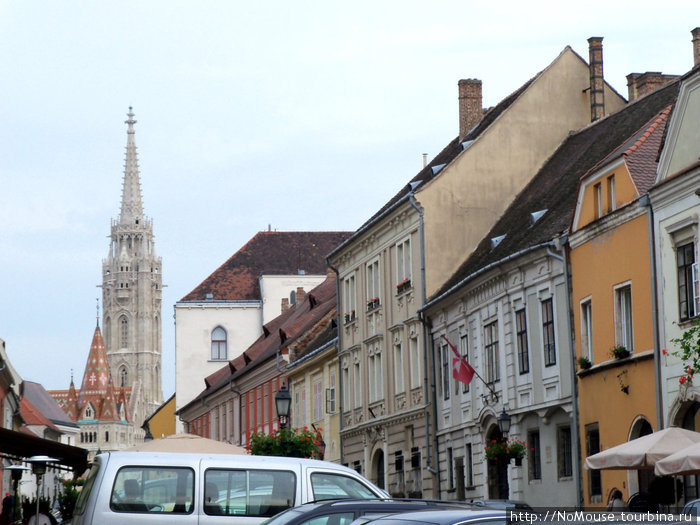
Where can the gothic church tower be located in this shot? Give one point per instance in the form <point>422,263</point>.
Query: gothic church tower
<point>131,296</point>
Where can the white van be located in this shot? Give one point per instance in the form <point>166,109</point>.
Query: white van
<point>175,488</point>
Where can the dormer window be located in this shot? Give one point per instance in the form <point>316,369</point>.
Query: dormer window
<point>536,216</point>
<point>598,200</point>
<point>611,193</point>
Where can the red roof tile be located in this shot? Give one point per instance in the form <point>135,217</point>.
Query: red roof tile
<point>267,253</point>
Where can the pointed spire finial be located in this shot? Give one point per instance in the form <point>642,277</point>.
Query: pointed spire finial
<point>132,208</point>
<point>98,311</point>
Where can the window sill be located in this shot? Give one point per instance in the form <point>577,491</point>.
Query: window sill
<point>222,360</point>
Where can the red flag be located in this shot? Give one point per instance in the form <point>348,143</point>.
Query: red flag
<point>461,370</point>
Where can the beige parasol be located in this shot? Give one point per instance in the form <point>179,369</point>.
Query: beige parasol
<point>685,461</point>
<point>643,452</point>
<point>188,443</point>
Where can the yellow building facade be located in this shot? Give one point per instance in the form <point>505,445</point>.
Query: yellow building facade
<point>613,321</point>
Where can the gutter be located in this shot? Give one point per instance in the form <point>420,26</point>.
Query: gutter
<point>426,328</point>
<point>339,370</point>
<point>561,244</point>
<point>645,201</point>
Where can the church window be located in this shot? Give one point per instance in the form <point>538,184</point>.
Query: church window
<point>218,344</point>
<point>106,436</point>
<point>89,411</point>
<point>124,325</point>
<point>123,376</point>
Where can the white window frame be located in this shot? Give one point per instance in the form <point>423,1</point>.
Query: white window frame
<point>415,361</point>
<point>586,309</point>
<point>357,382</point>
<point>624,322</point>
<point>349,297</point>
<point>491,352</point>
<point>318,398</point>
<point>346,388</point>
<point>374,280</point>
<point>403,260</point>
<point>375,375</point>
<point>399,387</point>
<point>611,192</point>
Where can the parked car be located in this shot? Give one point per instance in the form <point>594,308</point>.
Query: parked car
<point>506,504</point>
<point>343,512</point>
<point>444,517</point>
<point>122,488</point>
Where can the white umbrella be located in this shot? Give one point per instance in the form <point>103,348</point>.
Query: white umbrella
<point>685,461</point>
<point>643,452</point>
<point>188,443</point>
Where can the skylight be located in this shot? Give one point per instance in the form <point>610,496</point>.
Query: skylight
<point>495,241</point>
<point>536,216</point>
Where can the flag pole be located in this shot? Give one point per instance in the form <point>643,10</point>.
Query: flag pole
<point>454,350</point>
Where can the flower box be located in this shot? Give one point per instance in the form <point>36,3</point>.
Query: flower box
<point>372,304</point>
<point>350,316</point>
<point>403,286</point>
<point>619,352</point>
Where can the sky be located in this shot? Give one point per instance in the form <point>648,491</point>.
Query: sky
<point>305,115</point>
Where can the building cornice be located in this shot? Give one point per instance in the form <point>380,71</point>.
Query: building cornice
<point>607,223</point>
<point>384,421</point>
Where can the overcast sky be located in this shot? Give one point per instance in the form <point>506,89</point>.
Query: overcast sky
<point>299,115</point>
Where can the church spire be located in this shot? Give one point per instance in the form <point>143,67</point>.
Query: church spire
<point>132,208</point>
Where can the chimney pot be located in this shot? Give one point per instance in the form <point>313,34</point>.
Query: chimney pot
<point>696,46</point>
<point>470,105</point>
<point>595,68</point>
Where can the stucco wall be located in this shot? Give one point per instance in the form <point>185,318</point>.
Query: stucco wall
<point>193,326</point>
<point>273,288</point>
<point>471,193</point>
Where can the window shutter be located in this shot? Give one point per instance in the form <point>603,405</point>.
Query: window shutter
<point>696,291</point>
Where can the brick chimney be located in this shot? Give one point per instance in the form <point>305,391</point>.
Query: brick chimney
<point>696,46</point>
<point>595,68</point>
<point>285,304</point>
<point>470,109</point>
<point>301,294</point>
<point>639,84</point>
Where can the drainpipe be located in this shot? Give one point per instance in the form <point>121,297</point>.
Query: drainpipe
<point>426,385</point>
<point>339,374</point>
<point>645,201</point>
<point>560,243</point>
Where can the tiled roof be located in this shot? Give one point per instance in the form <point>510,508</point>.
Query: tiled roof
<point>47,405</point>
<point>267,253</point>
<point>641,151</point>
<point>33,416</point>
<point>307,318</point>
<point>555,187</point>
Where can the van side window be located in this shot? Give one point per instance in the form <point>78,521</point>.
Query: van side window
<point>160,490</point>
<point>333,486</point>
<point>87,488</point>
<point>248,492</point>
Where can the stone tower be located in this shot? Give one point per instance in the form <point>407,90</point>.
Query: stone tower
<point>131,296</point>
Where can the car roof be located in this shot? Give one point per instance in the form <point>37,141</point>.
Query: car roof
<point>440,517</point>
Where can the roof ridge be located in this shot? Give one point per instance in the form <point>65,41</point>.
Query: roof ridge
<point>660,117</point>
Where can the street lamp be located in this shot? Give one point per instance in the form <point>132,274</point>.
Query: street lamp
<point>283,402</point>
<point>504,423</point>
<point>39,464</point>
<point>17,471</point>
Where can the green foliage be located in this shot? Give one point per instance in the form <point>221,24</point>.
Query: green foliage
<point>689,353</point>
<point>584,363</point>
<point>67,498</point>
<point>500,450</point>
<point>289,442</point>
<point>619,352</point>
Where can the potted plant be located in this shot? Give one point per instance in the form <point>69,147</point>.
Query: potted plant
<point>289,442</point>
<point>689,353</point>
<point>516,450</point>
<point>497,450</point>
<point>619,352</point>
<point>584,363</point>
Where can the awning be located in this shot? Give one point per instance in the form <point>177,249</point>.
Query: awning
<point>22,446</point>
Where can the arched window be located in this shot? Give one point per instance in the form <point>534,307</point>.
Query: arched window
<point>124,332</point>
<point>89,411</point>
<point>218,344</point>
<point>292,297</point>
<point>123,377</point>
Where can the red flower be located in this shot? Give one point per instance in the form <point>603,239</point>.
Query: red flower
<point>690,371</point>
<point>681,380</point>
<point>664,352</point>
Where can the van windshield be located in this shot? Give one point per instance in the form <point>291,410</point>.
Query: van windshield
<point>87,488</point>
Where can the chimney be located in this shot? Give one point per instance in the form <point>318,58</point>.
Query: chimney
<point>595,67</point>
<point>696,46</point>
<point>285,304</point>
<point>639,84</point>
<point>301,294</point>
<point>470,109</point>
